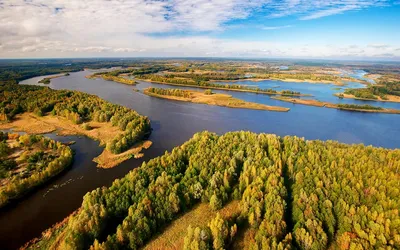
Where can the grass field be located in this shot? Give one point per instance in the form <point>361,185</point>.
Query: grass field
<point>173,236</point>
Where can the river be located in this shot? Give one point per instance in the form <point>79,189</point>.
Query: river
<point>175,122</point>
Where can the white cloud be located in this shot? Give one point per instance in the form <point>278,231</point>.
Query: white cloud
<point>43,28</point>
<point>379,46</point>
<point>276,27</point>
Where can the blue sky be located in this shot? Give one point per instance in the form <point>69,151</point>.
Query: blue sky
<point>337,29</point>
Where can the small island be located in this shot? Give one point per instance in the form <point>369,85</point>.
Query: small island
<point>114,78</point>
<point>47,80</point>
<point>209,98</point>
<point>26,161</point>
<point>348,107</point>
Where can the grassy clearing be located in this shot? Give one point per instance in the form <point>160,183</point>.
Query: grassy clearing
<point>243,238</point>
<point>173,236</point>
<point>218,100</point>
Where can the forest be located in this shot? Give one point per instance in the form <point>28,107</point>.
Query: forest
<point>292,194</point>
<point>27,161</point>
<point>77,107</point>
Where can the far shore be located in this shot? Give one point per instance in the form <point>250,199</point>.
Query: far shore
<point>102,132</point>
<point>226,89</point>
<point>316,103</point>
<point>283,80</point>
<point>222,100</point>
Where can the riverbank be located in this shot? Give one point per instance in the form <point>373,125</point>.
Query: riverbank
<point>317,103</point>
<point>390,98</point>
<point>226,89</point>
<point>222,100</point>
<point>103,132</point>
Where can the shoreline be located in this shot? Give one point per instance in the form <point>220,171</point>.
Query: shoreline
<point>320,104</point>
<point>349,96</point>
<point>101,132</point>
<point>226,89</point>
<point>221,100</point>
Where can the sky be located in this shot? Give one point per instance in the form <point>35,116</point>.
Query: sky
<point>320,29</point>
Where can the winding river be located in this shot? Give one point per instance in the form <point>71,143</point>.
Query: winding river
<point>175,122</point>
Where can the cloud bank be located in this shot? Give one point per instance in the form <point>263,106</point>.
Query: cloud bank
<point>76,28</point>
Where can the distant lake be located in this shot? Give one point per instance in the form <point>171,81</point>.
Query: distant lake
<point>175,122</point>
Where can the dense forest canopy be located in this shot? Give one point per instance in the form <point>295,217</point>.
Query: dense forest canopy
<point>294,194</point>
<point>77,107</point>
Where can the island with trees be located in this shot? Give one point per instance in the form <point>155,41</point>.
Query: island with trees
<point>47,80</point>
<point>209,98</point>
<point>244,191</point>
<point>112,76</point>
<point>27,161</point>
<point>347,107</point>
<point>37,110</point>
<point>383,92</point>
